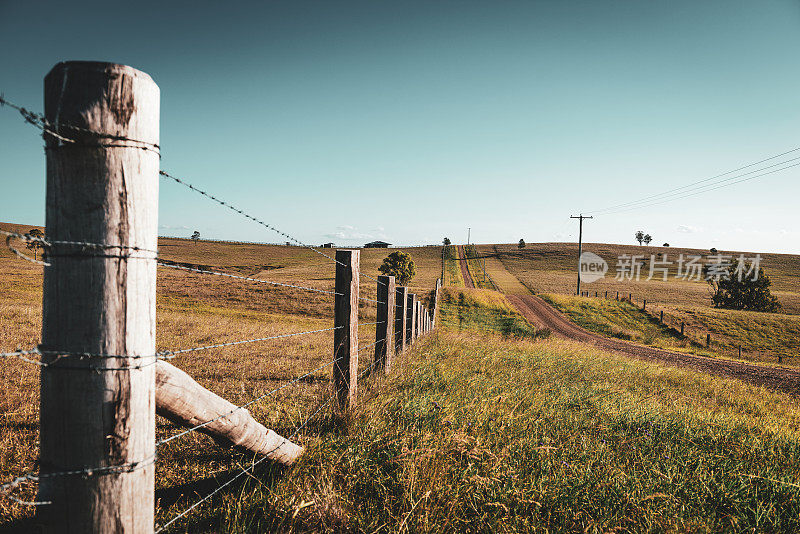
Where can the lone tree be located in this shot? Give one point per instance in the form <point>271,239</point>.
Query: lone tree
<point>446,241</point>
<point>639,235</point>
<point>665,245</point>
<point>35,245</point>
<point>647,239</point>
<point>195,236</point>
<point>521,243</point>
<point>734,291</point>
<point>400,265</point>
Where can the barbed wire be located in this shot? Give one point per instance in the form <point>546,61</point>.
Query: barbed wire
<point>162,355</point>
<point>246,470</point>
<point>40,121</point>
<point>48,243</point>
<point>370,324</point>
<point>255,219</point>
<point>86,472</point>
<point>218,273</point>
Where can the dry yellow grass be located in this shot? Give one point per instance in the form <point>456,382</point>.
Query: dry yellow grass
<point>195,310</point>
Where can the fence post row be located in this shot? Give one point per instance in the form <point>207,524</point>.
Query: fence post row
<point>97,412</point>
<point>400,318</point>
<point>384,330</point>
<point>345,336</point>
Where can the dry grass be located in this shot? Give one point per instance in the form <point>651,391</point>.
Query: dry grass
<point>195,310</point>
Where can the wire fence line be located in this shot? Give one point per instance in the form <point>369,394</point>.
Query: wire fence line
<point>48,128</point>
<point>46,357</point>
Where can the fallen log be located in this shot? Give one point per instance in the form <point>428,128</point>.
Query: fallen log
<point>185,402</point>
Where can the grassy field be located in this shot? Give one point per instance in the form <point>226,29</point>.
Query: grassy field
<point>549,269</point>
<point>480,433</point>
<point>195,310</point>
<point>485,426</point>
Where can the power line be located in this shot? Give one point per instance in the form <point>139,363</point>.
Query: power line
<point>696,185</point>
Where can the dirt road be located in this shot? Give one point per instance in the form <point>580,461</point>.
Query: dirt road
<point>541,314</point>
<point>464,270</point>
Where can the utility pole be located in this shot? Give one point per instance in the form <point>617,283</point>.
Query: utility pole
<point>468,232</point>
<point>580,218</point>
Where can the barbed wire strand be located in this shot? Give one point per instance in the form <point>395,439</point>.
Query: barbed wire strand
<point>87,472</point>
<point>161,355</point>
<point>218,273</point>
<point>255,219</point>
<point>40,121</point>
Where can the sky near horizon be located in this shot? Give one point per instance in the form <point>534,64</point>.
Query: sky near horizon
<point>412,121</point>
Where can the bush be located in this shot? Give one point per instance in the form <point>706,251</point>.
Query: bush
<point>400,265</point>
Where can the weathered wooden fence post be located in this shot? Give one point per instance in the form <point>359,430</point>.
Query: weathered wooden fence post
<point>662,316</point>
<point>345,337</point>
<point>97,413</point>
<point>682,325</point>
<point>384,331</point>
<point>412,317</point>
<point>644,304</point>
<point>401,299</point>
<point>708,340</point>
<point>436,292</point>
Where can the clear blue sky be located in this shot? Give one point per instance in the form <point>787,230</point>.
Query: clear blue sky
<point>410,121</point>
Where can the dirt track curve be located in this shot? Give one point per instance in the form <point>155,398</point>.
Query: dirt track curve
<point>462,261</point>
<point>541,314</point>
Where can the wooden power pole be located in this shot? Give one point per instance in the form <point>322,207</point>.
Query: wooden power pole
<point>580,246</point>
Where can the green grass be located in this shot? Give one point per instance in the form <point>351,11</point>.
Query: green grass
<point>481,279</point>
<point>511,436</point>
<point>480,310</point>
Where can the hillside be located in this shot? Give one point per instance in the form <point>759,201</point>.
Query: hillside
<point>489,424</point>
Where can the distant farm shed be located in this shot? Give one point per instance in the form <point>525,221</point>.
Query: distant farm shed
<point>327,245</point>
<point>377,244</point>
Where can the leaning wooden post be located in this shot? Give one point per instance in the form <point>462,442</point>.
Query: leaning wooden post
<point>400,318</point>
<point>436,293</point>
<point>384,331</point>
<point>97,413</point>
<point>411,305</point>
<point>345,337</point>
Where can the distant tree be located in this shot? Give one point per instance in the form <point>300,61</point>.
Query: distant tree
<point>446,241</point>
<point>713,250</point>
<point>639,236</point>
<point>665,245</point>
<point>736,292</point>
<point>400,265</point>
<point>35,245</point>
<point>521,243</point>
<point>647,239</point>
<point>195,236</point>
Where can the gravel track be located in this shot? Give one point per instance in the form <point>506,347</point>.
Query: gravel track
<point>462,262</point>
